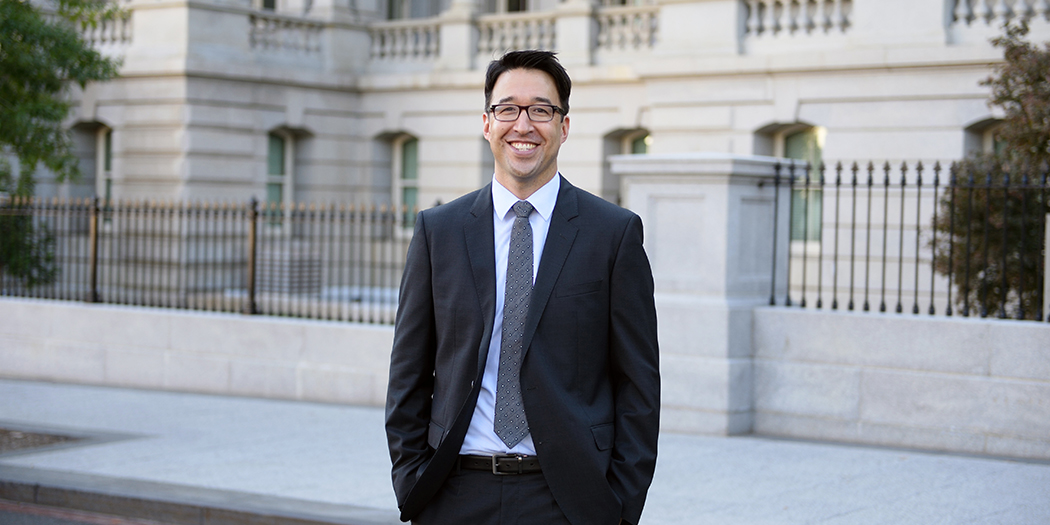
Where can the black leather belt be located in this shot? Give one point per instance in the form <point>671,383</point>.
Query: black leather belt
<point>501,464</point>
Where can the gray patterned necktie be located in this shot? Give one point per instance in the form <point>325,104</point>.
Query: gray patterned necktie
<point>509,422</point>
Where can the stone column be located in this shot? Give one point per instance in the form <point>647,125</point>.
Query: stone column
<point>1046,264</point>
<point>700,27</point>
<point>708,221</point>
<point>576,31</point>
<point>459,36</point>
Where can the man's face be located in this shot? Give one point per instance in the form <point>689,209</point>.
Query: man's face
<point>526,152</point>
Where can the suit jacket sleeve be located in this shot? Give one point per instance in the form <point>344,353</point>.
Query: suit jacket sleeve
<point>411,382</point>
<point>634,358</point>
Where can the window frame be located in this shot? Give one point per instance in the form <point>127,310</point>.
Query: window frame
<point>286,179</point>
<point>406,216</point>
<point>810,233</point>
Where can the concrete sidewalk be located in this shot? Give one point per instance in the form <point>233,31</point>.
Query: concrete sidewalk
<point>173,456</point>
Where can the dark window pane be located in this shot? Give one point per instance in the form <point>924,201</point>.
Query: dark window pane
<point>275,157</point>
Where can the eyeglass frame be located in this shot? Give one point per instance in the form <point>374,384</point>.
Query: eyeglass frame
<point>525,109</point>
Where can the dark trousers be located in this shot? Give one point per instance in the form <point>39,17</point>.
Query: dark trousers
<point>477,497</point>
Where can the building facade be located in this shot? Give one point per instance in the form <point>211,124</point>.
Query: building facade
<point>380,101</point>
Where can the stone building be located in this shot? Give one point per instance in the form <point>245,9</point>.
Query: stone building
<point>381,100</point>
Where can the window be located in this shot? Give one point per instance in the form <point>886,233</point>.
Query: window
<point>806,205</point>
<point>506,6</point>
<point>406,9</point>
<point>279,176</point>
<point>640,145</point>
<point>269,5</point>
<point>983,137</point>
<point>104,164</point>
<point>406,178</point>
<point>621,142</point>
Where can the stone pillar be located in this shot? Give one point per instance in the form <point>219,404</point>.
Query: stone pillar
<point>700,27</point>
<point>1046,265</point>
<point>708,221</point>
<point>459,36</point>
<point>897,23</point>
<point>576,31</point>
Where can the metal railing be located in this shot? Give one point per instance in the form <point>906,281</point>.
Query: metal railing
<point>337,262</point>
<point>914,239</point>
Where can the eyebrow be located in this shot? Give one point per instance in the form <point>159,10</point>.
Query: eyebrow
<point>543,100</point>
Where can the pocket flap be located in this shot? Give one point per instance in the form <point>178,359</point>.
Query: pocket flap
<point>603,436</point>
<point>435,434</point>
<point>578,288</point>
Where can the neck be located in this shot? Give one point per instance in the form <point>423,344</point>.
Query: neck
<point>523,189</point>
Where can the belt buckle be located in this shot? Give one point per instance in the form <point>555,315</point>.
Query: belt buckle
<point>497,457</point>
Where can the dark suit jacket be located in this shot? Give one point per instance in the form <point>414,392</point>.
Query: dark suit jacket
<point>590,375</point>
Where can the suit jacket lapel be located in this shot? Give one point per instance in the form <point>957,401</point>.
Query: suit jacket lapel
<point>560,237</point>
<point>481,253</point>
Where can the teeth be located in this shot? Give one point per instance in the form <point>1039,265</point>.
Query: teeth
<point>523,147</point>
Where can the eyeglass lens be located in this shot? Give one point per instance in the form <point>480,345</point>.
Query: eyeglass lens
<point>509,112</point>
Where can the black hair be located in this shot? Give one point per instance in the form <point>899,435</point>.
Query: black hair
<point>530,59</point>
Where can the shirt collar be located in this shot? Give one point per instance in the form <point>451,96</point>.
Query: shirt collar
<point>543,199</point>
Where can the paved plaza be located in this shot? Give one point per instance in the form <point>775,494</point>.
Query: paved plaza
<point>329,463</point>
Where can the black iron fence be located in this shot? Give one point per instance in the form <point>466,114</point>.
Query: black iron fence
<point>914,239</point>
<point>338,262</point>
<point>910,239</point>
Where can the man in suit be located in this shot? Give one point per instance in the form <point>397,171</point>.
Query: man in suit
<point>524,379</point>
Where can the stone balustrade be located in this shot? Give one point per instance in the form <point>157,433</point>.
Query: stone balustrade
<point>499,33</point>
<point>412,39</point>
<point>109,34</point>
<point>273,32</point>
<point>627,27</point>
<point>779,18</point>
<point>997,12</point>
<point>581,32</point>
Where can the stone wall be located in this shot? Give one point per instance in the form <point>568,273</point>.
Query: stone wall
<point>193,351</point>
<point>958,384</point>
<point>949,384</point>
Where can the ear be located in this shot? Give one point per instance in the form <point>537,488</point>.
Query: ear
<point>564,129</point>
<point>485,125</point>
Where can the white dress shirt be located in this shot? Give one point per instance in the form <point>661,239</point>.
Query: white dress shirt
<point>481,439</point>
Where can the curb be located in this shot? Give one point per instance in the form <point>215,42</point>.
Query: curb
<point>174,504</point>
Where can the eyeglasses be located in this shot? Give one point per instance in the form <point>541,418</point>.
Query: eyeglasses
<point>536,112</point>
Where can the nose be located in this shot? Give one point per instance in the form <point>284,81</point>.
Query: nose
<point>523,123</point>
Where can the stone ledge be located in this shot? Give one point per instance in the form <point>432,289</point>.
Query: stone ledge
<point>174,504</point>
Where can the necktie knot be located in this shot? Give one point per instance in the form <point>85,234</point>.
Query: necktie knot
<point>522,209</point>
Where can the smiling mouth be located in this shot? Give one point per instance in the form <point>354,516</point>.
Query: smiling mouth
<point>521,146</point>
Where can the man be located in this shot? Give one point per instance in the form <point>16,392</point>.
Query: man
<point>524,383</point>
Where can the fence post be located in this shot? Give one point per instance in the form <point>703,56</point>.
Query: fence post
<point>1046,270</point>
<point>253,215</point>
<point>93,295</point>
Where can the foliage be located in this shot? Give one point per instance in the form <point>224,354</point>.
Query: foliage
<point>27,252</point>
<point>41,56</point>
<point>991,223</point>
<point>990,226</point>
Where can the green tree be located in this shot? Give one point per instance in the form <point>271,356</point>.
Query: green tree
<point>991,223</point>
<point>41,56</point>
